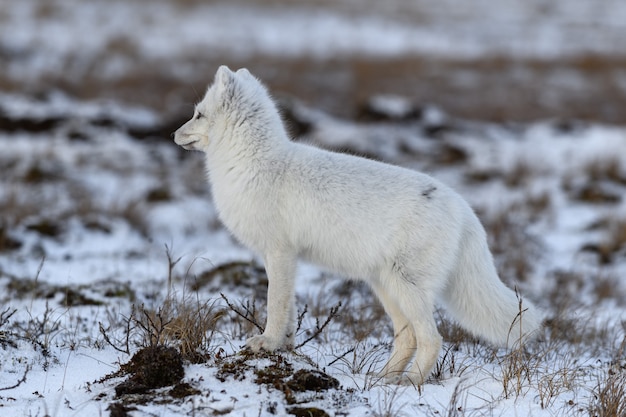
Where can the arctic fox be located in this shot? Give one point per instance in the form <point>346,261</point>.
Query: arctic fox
<point>412,238</point>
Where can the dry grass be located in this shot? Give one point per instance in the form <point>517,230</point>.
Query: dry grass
<point>609,395</point>
<point>361,362</point>
<point>598,181</point>
<point>449,365</point>
<point>612,243</point>
<point>557,367</point>
<point>362,316</point>
<point>608,286</point>
<point>426,80</point>
<point>518,370</point>
<point>453,333</point>
<point>186,323</point>
<point>559,376</point>
<point>606,169</point>
<point>506,229</point>
<point>389,405</point>
<point>549,369</point>
<point>520,174</point>
<point>355,338</point>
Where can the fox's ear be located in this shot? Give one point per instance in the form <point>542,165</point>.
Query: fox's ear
<point>244,72</point>
<point>223,76</point>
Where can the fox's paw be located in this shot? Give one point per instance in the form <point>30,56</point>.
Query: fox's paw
<point>410,379</point>
<point>400,378</point>
<point>263,342</point>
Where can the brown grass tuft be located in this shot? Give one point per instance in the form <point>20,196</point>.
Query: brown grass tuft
<point>609,395</point>
<point>186,323</point>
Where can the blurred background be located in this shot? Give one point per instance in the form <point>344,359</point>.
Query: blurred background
<point>506,60</point>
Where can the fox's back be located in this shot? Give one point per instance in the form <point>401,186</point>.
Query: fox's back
<point>334,203</point>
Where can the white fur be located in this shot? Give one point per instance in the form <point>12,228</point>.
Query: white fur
<point>412,238</point>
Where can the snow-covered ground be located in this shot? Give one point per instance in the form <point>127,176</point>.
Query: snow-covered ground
<point>109,243</point>
<point>171,29</point>
<point>500,60</point>
<point>90,215</point>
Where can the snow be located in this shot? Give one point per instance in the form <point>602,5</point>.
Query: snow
<point>517,29</point>
<point>64,381</point>
<point>120,206</point>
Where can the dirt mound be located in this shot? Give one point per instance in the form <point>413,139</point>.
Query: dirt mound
<point>152,367</point>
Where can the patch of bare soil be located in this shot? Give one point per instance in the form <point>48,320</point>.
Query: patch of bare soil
<point>151,367</point>
<point>280,375</point>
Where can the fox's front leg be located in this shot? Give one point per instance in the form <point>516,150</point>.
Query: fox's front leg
<point>281,271</point>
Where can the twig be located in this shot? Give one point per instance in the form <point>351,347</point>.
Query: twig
<point>39,268</point>
<point>170,268</point>
<point>343,355</point>
<point>110,342</point>
<point>154,327</point>
<point>4,319</point>
<point>301,317</point>
<point>127,332</point>
<point>19,382</point>
<point>248,316</point>
<point>319,329</point>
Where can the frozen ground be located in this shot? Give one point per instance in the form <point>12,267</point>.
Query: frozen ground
<point>109,243</point>
<point>94,221</point>
<point>505,60</point>
<point>450,28</point>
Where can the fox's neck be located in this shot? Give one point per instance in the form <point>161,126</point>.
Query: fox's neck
<point>241,151</point>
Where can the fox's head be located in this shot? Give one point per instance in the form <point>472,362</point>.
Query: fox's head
<point>221,106</point>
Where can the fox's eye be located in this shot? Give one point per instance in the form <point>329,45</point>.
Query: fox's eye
<point>199,115</point>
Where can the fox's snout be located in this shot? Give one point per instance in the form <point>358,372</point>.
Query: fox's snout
<point>186,140</point>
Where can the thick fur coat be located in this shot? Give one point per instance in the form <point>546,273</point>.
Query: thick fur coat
<point>412,238</point>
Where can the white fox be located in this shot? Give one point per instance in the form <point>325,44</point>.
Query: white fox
<point>412,238</point>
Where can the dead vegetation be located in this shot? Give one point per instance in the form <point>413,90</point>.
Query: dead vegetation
<point>184,322</point>
<point>533,82</point>
<point>181,330</point>
<point>609,395</point>
<point>612,244</point>
<point>6,336</point>
<point>507,229</point>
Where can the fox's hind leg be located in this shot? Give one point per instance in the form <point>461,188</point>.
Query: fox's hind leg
<point>404,342</point>
<point>419,305</point>
<point>411,302</point>
<point>428,344</point>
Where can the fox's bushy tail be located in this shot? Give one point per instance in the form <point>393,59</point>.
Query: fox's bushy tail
<point>476,297</point>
